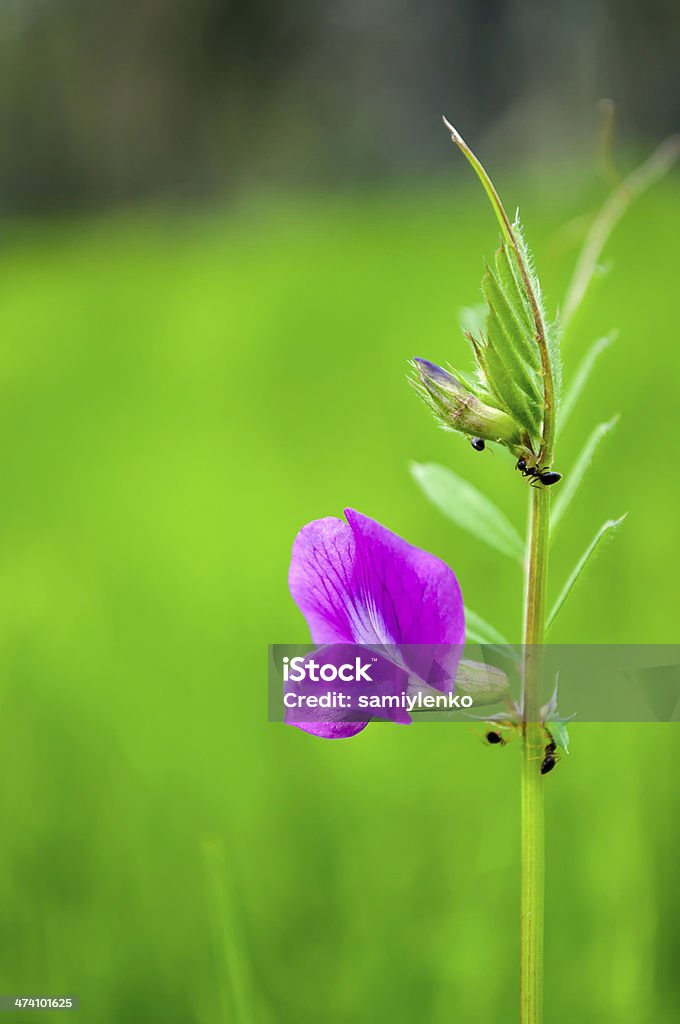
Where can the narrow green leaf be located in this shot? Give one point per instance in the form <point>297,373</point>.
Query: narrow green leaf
<point>505,315</point>
<point>582,375</point>
<point>487,184</point>
<point>573,479</point>
<point>551,334</point>
<point>611,524</point>
<point>653,168</point>
<point>513,286</point>
<point>479,631</point>
<point>504,385</point>
<point>560,734</point>
<point>464,505</point>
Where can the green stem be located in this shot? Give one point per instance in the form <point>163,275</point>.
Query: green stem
<point>532,856</point>
<point>533,735</point>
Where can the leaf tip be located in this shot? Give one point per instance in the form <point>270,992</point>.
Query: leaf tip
<point>455,135</point>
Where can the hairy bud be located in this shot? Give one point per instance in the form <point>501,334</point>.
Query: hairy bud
<point>456,407</point>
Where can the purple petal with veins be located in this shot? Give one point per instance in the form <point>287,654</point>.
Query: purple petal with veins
<point>357,582</point>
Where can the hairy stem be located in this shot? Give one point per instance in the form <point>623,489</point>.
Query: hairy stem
<point>532,856</point>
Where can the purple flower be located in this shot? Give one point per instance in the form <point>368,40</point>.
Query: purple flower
<point>359,583</point>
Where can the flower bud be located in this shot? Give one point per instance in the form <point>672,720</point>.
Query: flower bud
<point>457,408</point>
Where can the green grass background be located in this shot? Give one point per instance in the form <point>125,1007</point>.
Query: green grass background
<point>180,391</point>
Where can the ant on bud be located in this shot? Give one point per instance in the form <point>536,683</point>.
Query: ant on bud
<point>478,444</point>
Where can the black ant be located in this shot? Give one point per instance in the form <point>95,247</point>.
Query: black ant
<point>550,758</point>
<point>544,476</point>
<point>477,443</point>
<point>493,737</point>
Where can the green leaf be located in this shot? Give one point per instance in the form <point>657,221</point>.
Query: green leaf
<point>560,734</point>
<point>515,339</point>
<point>487,184</point>
<point>653,168</point>
<point>512,359</point>
<point>573,479</point>
<point>551,333</point>
<point>508,299</point>
<point>512,284</point>
<point>479,631</point>
<point>504,383</point>
<point>464,505</point>
<point>611,524</point>
<point>582,375</point>
<point>509,358</point>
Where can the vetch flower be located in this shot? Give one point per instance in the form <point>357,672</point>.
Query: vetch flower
<point>359,583</point>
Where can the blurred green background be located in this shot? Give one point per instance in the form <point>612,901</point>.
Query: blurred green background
<point>182,386</point>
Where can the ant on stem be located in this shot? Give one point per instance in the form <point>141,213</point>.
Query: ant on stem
<point>544,476</point>
<point>550,756</point>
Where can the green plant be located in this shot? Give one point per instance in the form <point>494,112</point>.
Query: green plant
<point>515,400</point>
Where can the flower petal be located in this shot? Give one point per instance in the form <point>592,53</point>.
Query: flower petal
<point>330,730</point>
<point>412,595</point>
<point>362,583</point>
<point>319,578</point>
